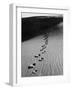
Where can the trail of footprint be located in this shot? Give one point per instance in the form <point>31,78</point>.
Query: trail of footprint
<point>39,56</point>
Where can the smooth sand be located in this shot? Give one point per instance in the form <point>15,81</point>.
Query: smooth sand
<point>53,63</point>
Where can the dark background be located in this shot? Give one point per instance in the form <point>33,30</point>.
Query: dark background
<point>37,25</point>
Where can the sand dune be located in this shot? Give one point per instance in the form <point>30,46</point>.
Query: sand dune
<point>53,57</point>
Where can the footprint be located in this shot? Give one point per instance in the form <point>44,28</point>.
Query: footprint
<point>39,55</point>
<point>34,71</point>
<point>36,56</point>
<point>34,64</point>
<point>42,49</point>
<point>43,52</point>
<point>30,67</point>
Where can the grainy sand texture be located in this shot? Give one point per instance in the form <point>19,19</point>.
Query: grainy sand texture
<point>53,56</point>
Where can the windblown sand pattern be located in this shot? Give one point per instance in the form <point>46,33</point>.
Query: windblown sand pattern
<point>42,57</point>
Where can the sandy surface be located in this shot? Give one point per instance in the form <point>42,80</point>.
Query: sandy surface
<point>53,58</point>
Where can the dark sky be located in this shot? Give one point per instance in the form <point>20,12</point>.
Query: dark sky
<point>37,25</point>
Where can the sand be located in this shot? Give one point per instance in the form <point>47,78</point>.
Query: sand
<point>53,57</point>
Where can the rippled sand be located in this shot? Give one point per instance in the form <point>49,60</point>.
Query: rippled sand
<point>53,58</point>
